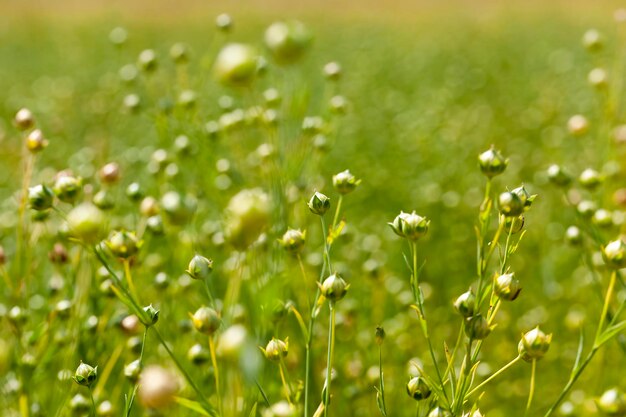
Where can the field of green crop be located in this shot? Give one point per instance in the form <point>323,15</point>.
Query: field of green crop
<point>175,210</point>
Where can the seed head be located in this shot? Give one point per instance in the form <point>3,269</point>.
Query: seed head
<point>35,141</point>
<point>179,52</point>
<point>334,288</point>
<point>410,226</point>
<point>85,374</point>
<point>287,41</point>
<point>319,204</point>
<point>417,388</point>
<point>147,60</point>
<point>67,187</point>
<point>380,335</point>
<point>492,163</point>
<point>507,287</point>
<point>558,176</point>
<point>247,216</point>
<point>206,320</point>
<point>157,387</point>
<point>514,224</point>
<point>236,64</point>
<point>103,200</point>
<point>224,22</point>
<point>86,222</point>
<point>332,71</point>
<point>439,412</point>
<point>123,244</point>
<point>345,182</point>
<point>152,315</point>
<point>40,197</point>
<point>133,370</point>
<point>510,204</point>
<point>526,198</point>
<point>293,240</point>
<point>590,179</point>
<point>593,40</point>
<point>276,349</point>
<point>465,304</point>
<point>199,267</point>
<point>198,354</point>
<point>614,254</point>
<point>24,119</point>
<point>578,125</point>
<point>534,345</point>
<point>598,78</point>
<point>573,236</point>
<point>110,173</point>
<point>476,327</point>
<point>79,404</point>
<point>612,403</point>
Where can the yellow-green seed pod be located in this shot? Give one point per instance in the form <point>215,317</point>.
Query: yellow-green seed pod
<point>293,240</point>
<point>558,176</point>
<point>319,204</point>
<point>593,40</point>
<point>590,179</point>
<point>476,327</point>
<point>418,389</point>
<point>236,64</point>
<point>334,288</point>
<point>614,254</point>
<point>85,374</point>
<point>86,222</point>
<point>133,370</point>
<point>287,41</point>
<point>510,204</point>
<point>123,244</point>
<point>578,125</point>
<point>612,403</point>
<point>534,345</point>
<point>276,349</point>
<point>206,320</point>
<point>35,141</point>
<point>67,187</point>
<point>157,387</point>
<point>345,182</point>
<point>465,304</point>
<point>40,197</point>
<point>147,60</point>
<point>507,287</point>
<point>492,163</point>
<point>24,119</point>
<point>198,354</point>
<point>199,267</point>
<point>247,216</point>
<point>439,412</point>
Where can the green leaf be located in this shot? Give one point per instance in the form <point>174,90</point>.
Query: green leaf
<point>191,405</point>
<point>579,353</point>
<point>610,333</point>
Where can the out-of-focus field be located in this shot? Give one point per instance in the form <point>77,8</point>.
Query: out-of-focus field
<point>429,86</point>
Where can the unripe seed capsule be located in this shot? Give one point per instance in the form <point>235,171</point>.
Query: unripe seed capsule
<point>85,374</point>
<point>492,163</point>
<point>507,287</point>
<point>465,304</point>
<point>276,349</point>
<point>334,288</point>
<point>417,388</point>
<point>534,345</point>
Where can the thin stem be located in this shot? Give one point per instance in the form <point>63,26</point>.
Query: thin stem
<point>216,374</point>
<point>486,381</point>
<point>329,360</point>
<point>532,386</point>
<point>285,379</point>
<point>129,279</point>
<point>381,378</point>
<point>326,245</point>
<point>607,302</point>
<point>208,292</point>
<point>93,403</point>
<point>337,210</point>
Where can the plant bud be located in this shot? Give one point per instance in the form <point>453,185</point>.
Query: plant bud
<point>247,216</point>
<point>345,182</point>
<point>85,374</point>
<point>132,371</point>
<point>287,41</point>
<point>602,218</point>
<point>179,52</point>
<point>465,304</point>
<point>514,225</point>
<point>507,287</point>
<point>334,288</point>
<point>123,244</point>
<point>593,40</point>
<point>492,163</point>
<point>199,267</point>
<point>224,22</point>
<point>147,60</point>
<point>236,64</point>
<point>24,119</point>
<point>410,226</point>
<point>332,71</point>
<point>313,125</point>
<point>79,404</point>
<point>293,240</point>
<point>206,320</point>
<point>157,387</point>
<point>63,308</point>
<point>198,354</point>
<point>134,191</point>
<point>338,104</point>
<point>573,236</point>
<point>578,125</point>
<point>586,208</point>
<point>40,197</point>
<point>590,179</point>
<point>380,335</point>
<point>612,403</point>
<point>319,204</point>
<point>152,315</point>
<point>534,345</point>
<point>614,254</point>
<point>598,78</point>
<point>17,316</point>
<point>558,176</point>
<point>103,200</point>
<point>105,409</point>
<point>35,141</point>
<point>231,342</point>
<point>476,327</point>
<point>110,173</point>
<point>66,187</point>
<point>276,349</point>
<point>439,412</point>
<point>526,198</point>
<point>155,225</point>
<point>417,388</point>
<point>510,204</point>
<point>86,222</point>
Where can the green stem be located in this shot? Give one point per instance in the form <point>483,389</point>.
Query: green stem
<point>93,403</point>
<point>216,374</point>
<point>605,307</point>
<point>532,386</point>
<point>337,210</point>
<point>486,381</point>
<point>329,360</point>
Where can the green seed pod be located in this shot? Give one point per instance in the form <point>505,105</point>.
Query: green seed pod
<point>179,52</point>
<point>147,60</point>
<point>24,119</point>
<point>379,335</point>
<point>272,97</point>
<point>332,71</point>
<point>414,226</point>
<point>63,308</point>
<point>586,208</point>
<point>79,404</point>
<point>614,254</point>
<point>206,320</point>
<point>110,173</point>
<point>492,163</point>
<point>134,191</point>
<point>276,349</point>
<point>578,125</point>
<point>525,196</point>
<point>417,388</point>
<point>476,327</point>
<point>132,371</point>
<point>510,204</point>
<point>593,40</point>
<point>17,316</point>
<point>67,187</point>
<point>514,225</point>
<point>105,409</point>
<point>287,41</point>
<point>86,222</point>
<point>319,204</point>
<point>334,288</point>
<point>534,345</point>
<point>573,236</point>
<point>293,240</point>
<point>590,179</point>
<point>40,197</point>
<point>35,141</point>
<point>612,403</point>
<point>602,218</point>
<point>198,354</point>
<point>345,182</point>
<point>103,200</point>
<point>152,315</point>
<point>224,22</point>
<point>439,412</point>
<point>507,287</point>
<point>85,374</point>
<point>598,78</point>
<point>465,304</point>
<point>118,36</point>
<point>236,64</point>
<point>123,244</point>
<point>313,125</point>
<point>247,216</point>
<point>155,225</point>
<point>338,104</point>
<point>199,267</point>
<point>558,176</point>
